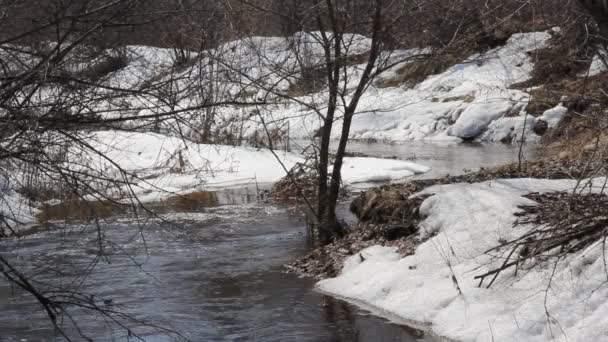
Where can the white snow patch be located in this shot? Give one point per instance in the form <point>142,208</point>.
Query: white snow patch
<point>360,170</point>
<point>555,115</point>
<point>475,118</point>
<point>511,130</point>
<point>598,64</point>
<point>464,220</point>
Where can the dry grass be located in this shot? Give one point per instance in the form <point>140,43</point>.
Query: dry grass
<point>579,93</point>
<point>327,261</point>
<point>411,73</point>
<point>574,143</point>
<point>587,121</point>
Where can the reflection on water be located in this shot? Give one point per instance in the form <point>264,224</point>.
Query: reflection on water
<point>213,275</point>
<point>444,157</point>
<point>78,210</point>
<point>81,211</point>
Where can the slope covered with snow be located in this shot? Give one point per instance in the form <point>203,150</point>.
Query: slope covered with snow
<point>562,301</point>
<point>459,103</point>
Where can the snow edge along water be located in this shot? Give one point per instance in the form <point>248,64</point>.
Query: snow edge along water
<point>463,220</point>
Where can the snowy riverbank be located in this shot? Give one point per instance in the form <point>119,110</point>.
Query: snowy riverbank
<point>550,302</point>
<point>156,167</point>
<point>167,166</point>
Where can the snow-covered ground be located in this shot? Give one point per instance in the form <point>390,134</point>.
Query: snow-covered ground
<point>471,99</point>
<point>562,302</point>
<point>460,102</point>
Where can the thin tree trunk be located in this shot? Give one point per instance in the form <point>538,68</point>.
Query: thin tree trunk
<point>333,76</point>
<point>331,223</point>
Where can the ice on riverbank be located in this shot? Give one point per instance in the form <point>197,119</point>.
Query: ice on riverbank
<point>555,302</point>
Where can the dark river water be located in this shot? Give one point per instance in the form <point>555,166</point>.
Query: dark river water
<point>211,271</point>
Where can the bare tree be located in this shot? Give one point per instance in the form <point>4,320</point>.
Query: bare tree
<point>468,26</point>
<point>342,67</point>
<point>335,59</point>
<point>57,86</point>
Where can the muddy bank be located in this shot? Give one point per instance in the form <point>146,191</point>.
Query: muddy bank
<point>389,215</point>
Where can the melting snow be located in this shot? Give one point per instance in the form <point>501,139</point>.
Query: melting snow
<point>167,164</point>
<point>464,220</point>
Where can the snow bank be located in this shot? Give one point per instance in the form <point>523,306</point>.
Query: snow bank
<point>511,130</point>
<point>165,165</point>
<point>464,220</point>
<point>459,103</point>
<point>16,210</point>
<point>486,78</point>
<point>475,118</point>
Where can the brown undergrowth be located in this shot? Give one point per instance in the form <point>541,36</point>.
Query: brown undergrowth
<point>327,261</point>
<point>390,202</point>
<point>300,182</point>
<point>389,215</point>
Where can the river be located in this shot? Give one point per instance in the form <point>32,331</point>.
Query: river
<point>210,271</point>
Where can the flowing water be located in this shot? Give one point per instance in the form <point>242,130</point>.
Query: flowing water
<point>447,157</point>
<point>209,268</point>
